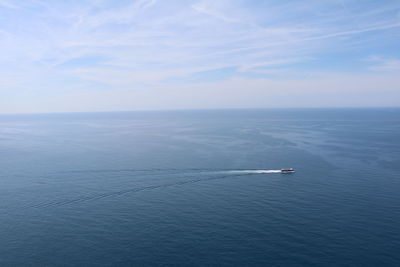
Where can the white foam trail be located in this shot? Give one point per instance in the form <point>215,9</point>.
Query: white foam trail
<point>253,171</point>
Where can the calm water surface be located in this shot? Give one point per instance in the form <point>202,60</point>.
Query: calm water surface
<point>171,188</point>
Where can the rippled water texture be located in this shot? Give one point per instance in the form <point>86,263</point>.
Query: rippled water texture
<point>201,188</point>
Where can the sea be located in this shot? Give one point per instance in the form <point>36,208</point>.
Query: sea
<point>201,188</point>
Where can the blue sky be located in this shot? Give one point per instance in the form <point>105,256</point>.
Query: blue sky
<point>97,55</point>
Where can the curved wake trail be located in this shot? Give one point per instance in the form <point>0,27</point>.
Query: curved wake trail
<point>158,171</point>
<point>254,171</point>
<point>228,174</point>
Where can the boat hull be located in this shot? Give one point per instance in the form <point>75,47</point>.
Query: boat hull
<point>290,170</point>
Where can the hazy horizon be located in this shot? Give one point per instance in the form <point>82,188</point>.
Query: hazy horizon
<point>204,110</point>
<point>98,55</point>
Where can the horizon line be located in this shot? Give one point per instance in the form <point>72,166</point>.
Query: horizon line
<point>196,109</point>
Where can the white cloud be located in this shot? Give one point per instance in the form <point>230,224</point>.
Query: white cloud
<point>385,64</point>
<point>141,44</point>
<point>7,4</point>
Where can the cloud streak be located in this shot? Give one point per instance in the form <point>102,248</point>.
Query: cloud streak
<point>150,47</point>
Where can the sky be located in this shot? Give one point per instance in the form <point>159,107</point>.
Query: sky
<point>117,55</point>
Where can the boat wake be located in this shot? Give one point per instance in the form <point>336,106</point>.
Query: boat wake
<point>221,174</point>
<point>62,202</point>
<point>253,171</point>
<point>154,172</point>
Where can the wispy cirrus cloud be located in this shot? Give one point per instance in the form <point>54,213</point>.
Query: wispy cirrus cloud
<point>7,4</point>
<point>96,45</point>
<point>384,64</point>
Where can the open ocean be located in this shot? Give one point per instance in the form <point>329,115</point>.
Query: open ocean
<point>181,188</point>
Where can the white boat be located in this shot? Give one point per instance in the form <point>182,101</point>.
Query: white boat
<point>289,170</point>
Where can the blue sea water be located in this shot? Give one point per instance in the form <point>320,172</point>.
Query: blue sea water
<point>172,188</point>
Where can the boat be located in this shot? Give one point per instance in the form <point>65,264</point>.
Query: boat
<point>289,170</point>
